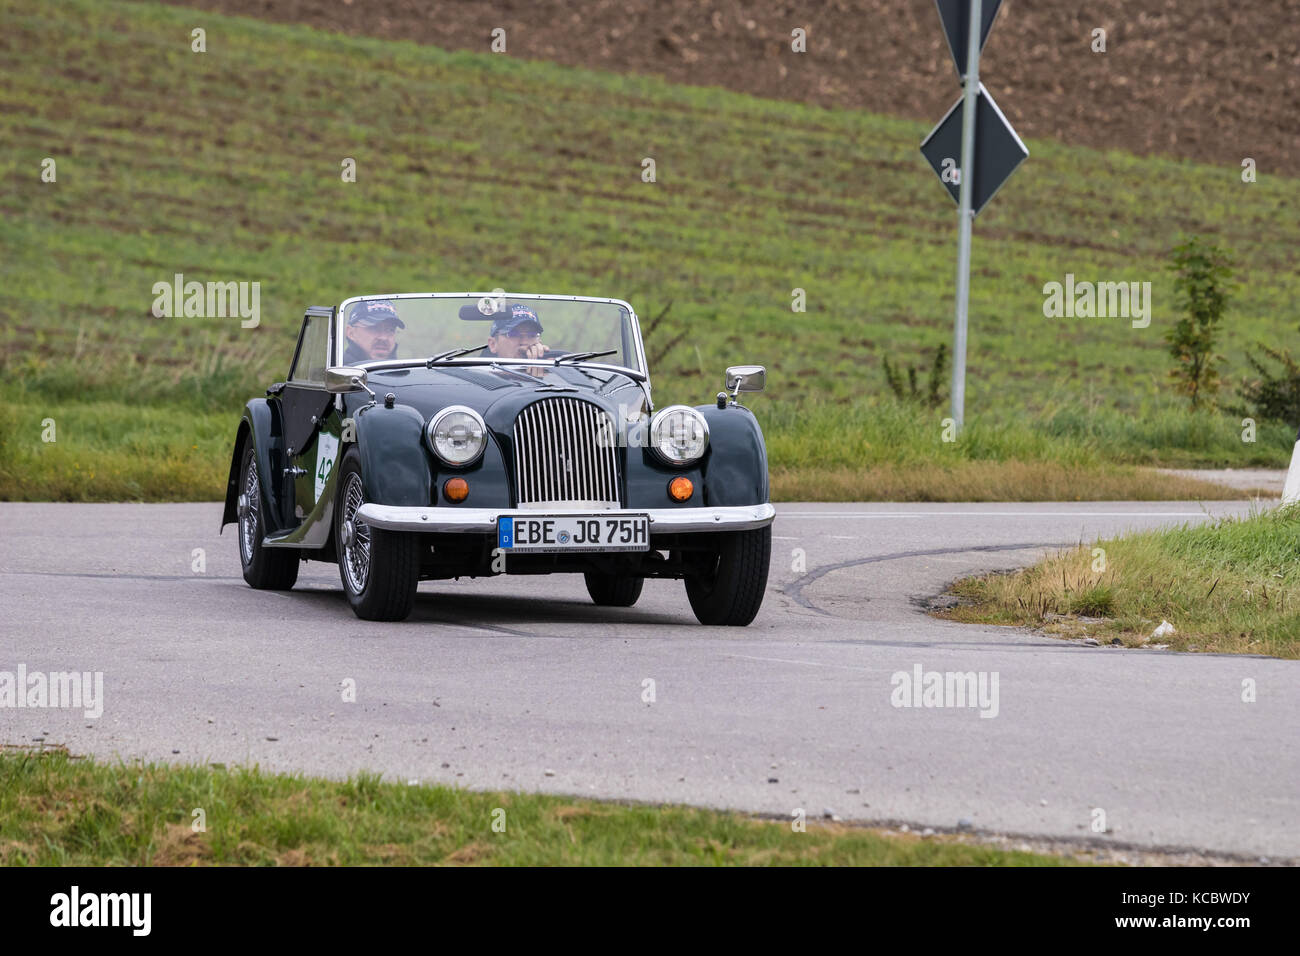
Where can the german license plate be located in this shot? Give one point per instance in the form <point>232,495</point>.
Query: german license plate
<point>553,533</point>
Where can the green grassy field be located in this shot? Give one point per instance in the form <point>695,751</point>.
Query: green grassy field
<point>62,811</point>
<point>477,170</point>
<point>1232,586</point>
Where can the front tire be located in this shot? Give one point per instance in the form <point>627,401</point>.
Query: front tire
<point>613,590</point>
<point>266,569</point>
<point>730,591</point>
<point>380,569</point>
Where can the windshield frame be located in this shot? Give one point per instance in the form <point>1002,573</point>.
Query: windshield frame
<point>641,374</point>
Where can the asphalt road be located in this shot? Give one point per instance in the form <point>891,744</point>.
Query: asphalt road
<point>522,683</point>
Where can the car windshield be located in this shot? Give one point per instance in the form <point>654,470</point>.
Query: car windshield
<point>512,329</point>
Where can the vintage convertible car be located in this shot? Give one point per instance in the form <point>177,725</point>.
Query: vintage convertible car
<point>488,452</point>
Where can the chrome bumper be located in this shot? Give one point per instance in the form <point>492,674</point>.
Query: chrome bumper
<point>484,520</point>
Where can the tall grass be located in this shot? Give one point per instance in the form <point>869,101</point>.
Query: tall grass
<point>866,451</point>
<point>1231,586</point>
<point>871,431</point>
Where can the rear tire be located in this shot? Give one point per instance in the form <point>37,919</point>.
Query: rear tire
<point>266,569</point>
<point>380,569</point>
<point>731,592</point>
<point>613,590</point>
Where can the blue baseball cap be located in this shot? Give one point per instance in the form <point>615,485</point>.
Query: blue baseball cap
<point>515,316</point>
<point>374,312</point>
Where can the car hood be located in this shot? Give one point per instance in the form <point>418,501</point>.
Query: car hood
<point>499,392</point>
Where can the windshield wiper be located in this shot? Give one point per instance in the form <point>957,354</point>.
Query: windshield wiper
<point>579,356</point>
<point>510,371</point>
<point>451,354</point>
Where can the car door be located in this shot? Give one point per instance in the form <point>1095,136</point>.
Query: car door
<point>310,435</point>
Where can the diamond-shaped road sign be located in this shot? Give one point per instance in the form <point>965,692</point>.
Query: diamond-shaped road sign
<point>955,15</point>
<point>998,150</point>
<point>976,141</point>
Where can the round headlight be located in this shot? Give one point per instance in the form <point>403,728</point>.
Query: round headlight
<point>679,434</point>
<point>457,435</point>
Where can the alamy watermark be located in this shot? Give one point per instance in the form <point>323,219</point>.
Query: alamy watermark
<point>208,300</point>
<point>1100,300</point>
<point>631,430</point>
<point>128,910</point>
<point>922,688</point>
<point>37,689</point>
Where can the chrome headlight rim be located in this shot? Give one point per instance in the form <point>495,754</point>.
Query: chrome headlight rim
<point>432,427</point>
<point>658,418</point>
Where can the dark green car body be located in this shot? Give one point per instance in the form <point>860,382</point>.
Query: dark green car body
<point>301,432</point>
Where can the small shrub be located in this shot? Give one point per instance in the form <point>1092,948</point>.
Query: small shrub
<point>1201,288</point>
<point>1096,601</point>
<point>1275,394</point>
<point>908,391</point>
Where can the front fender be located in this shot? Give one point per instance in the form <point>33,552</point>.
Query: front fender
<point>735,466</point>
<point>394,464</point>
<point>259,424</point>
<point>733,470</point>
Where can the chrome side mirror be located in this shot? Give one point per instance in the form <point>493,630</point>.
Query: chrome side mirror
<point>745,378</point>
<point>345,378</point>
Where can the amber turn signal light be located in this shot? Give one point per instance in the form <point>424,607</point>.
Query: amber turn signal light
<point>680,489</point>
<point>455,489</point>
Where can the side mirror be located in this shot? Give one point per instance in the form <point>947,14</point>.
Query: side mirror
<point>746,378</point>
<point>345,378</point>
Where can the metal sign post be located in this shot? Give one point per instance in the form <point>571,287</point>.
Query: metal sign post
<point>990,151</point>
<point>965,215</point>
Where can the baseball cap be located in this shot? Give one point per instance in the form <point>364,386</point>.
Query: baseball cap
<point>515,316</point>
<point>373,312</point>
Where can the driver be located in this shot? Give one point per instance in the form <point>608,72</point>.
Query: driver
<point>372,332</point>
<point>517,333</point>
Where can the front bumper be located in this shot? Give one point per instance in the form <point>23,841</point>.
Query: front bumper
<point>484,520</point>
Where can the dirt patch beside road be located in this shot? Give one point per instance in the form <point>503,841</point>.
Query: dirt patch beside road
<point>1253,480</point>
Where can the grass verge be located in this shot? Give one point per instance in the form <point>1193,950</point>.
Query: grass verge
<point>1232,586</point>
<point>994,481</point>
<point>59,810</point>
<point>110,451</point>
<point>864,451</point>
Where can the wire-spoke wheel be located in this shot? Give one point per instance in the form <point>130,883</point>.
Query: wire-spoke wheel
<point>356,536</point>
<point>380,569</point>
<point>267,569</point>
<point>249,512</point>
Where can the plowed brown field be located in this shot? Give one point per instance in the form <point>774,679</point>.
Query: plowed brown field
<point>1210,80</point>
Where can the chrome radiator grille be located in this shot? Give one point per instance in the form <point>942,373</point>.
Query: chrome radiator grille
<point>565,454</point>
